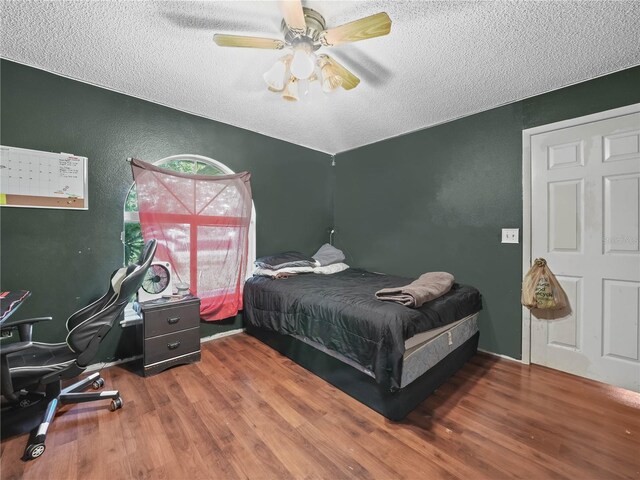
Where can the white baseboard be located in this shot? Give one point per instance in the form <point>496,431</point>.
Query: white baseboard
<point>221,335</point>
<point>506,357</point>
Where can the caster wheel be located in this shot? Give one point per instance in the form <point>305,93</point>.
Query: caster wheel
<point>116,403</point>
<point>99,383</point>
<point>25,402</point>
<point>34,451</point>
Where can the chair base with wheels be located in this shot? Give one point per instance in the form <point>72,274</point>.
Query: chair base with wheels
<point>60,396</point>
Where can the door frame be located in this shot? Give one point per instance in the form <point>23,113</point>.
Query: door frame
<point>526,198</point>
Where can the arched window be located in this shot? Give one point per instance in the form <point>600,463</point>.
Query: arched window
<point>132,235</point>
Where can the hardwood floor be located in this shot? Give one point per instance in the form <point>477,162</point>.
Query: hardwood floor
<point>245,411</point>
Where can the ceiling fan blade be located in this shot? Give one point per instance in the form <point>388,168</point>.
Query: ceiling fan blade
<point>247,42</point>
<point>349,80</point>
<point>369,27</point>
<point>293,15</point>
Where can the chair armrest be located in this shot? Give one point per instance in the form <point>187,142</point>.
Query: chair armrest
<point>10,323</point>
<point>14,347</point>
<point>25,326</point>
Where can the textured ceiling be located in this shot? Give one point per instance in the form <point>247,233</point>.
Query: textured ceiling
<point>441,61</point>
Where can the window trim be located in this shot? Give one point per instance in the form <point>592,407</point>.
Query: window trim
<point>134,217</point>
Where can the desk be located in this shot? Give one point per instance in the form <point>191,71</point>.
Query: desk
<point>10,302</point>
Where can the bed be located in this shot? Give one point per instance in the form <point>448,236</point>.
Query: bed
<point>385,355</point>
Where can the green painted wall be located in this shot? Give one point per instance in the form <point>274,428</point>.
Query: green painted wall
<point>66,257</point>
<point>431,200</point>
<point>437,199</point>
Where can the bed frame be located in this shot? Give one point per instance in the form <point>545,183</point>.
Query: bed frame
<point>393,405</point>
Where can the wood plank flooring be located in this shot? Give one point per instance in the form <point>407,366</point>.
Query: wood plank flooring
<point>245,411</point>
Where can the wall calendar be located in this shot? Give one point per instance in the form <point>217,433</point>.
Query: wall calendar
<point>31,178</point>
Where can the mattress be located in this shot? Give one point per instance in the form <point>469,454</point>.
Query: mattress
<point>423,356</point>
<point>423,337</point>
<point>426,349</point>
<point>339,315</point>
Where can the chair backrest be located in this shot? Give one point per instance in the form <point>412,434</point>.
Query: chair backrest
<point>87,327</point>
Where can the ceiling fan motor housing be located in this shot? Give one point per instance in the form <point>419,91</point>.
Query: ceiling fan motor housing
<point>311,36</point>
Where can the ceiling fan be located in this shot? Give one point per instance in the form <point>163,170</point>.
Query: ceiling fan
<point>304,33</point>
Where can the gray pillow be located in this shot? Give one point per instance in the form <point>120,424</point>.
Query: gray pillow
<point>328,255</point>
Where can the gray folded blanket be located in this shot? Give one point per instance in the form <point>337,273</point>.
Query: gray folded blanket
<point>427,287</point>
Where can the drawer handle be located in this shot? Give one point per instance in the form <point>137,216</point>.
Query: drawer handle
<point>173,321</point>
<point>173,346</point>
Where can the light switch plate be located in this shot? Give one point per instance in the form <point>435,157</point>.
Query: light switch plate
<point>510,235</point>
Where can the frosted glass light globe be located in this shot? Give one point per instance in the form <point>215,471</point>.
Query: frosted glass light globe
<point>303,64</point>
<point>275,76</point>
<point>330,78</point>
<point>291,91</point>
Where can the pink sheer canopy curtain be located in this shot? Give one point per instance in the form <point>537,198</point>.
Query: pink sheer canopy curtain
<point>201,223</point>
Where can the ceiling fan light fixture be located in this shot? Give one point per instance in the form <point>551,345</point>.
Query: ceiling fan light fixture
<point>276,76</point>
<point>331,80</point>
<point>330,84</point>
<point>303,63</point>
<point>290,92</point>
<point>305,31</point>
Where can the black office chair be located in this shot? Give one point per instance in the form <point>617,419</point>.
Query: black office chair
<point>29,366</point>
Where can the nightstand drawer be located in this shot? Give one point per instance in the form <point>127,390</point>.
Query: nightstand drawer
<point>169,320</point>
<point>171,345</point>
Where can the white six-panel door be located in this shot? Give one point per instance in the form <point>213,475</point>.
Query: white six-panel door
<point>585,212</point>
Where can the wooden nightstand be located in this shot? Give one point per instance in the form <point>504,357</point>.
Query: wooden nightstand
<point>169,333</point>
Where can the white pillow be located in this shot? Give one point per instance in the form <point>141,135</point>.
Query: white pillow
<point>329,269</point>
<point>326,270</point>
<point>269,272</point>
